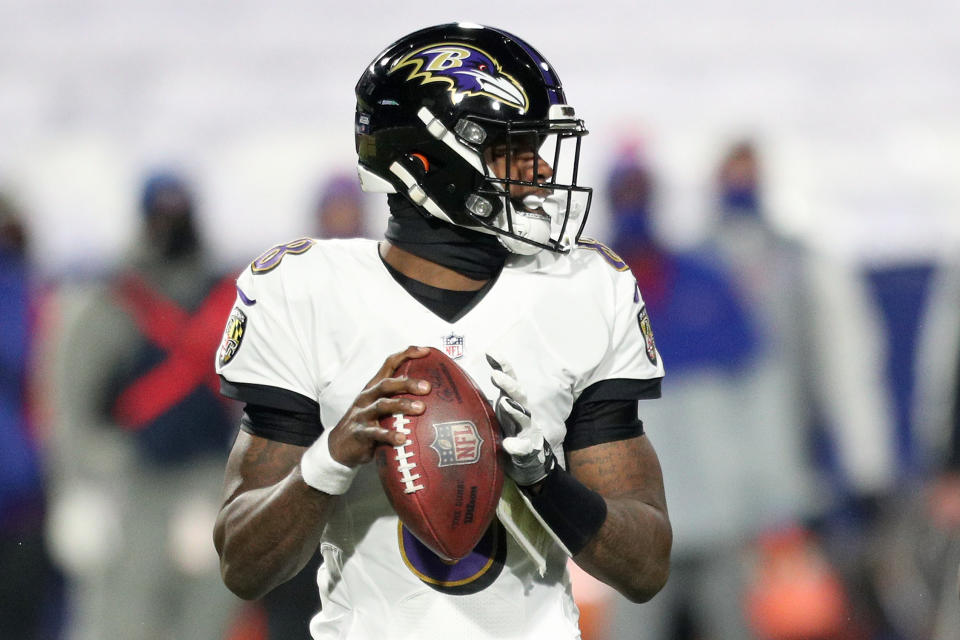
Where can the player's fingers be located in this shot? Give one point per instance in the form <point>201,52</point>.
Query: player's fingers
<point>503,382</point>
<point>392,406</point>
<point>500,363</point>
<point>374,433</point>
<point>517,446</point>
<point>512,417</point>
<point>514,411</point>
<point>507,425</point>
<point>394,387</point>
<point>394,360</point>
<point>509,385</point>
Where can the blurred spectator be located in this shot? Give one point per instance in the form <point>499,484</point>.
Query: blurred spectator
<point>766,344</point>
<point>704,439</point>
<point>141,437</point>
<point>839,371</point>
<point>768,272</point>
<point>824,337</point>
<point>30,586</point>
<point>339,213</point>
<point>775,275</point>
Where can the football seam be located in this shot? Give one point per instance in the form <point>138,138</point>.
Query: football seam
<point>400,421</point>
<point>399,424</point>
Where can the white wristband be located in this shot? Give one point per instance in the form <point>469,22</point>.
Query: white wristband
<point>322,472</point>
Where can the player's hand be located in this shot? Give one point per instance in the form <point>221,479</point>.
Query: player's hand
<point>330,463</point>
<point>531,458</point>
<point>355,437</point>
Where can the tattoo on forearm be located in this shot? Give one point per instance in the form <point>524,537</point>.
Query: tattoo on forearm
<point>272,460</point>
<point>603,471</point>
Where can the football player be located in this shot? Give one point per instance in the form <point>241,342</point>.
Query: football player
<point>468,130</point>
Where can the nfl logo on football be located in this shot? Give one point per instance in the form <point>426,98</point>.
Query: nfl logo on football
<point>456,443</point>
<point>453,346</point>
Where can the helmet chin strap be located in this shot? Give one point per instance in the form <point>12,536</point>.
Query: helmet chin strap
<point>528,222</point>
<point>533,218</point>
<point>554,204</point>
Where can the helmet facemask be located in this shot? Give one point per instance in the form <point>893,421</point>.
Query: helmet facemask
<point>538,204</point>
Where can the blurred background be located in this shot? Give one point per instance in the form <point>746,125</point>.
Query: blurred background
<point>781,177</point>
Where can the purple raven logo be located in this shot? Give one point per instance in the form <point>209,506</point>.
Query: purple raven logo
<point>467,70</point>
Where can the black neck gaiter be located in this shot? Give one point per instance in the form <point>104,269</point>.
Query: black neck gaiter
<point>476,255</point>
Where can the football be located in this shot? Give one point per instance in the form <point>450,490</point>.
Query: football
<point>445,482</point>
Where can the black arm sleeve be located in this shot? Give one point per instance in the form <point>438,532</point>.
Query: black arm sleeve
<point>290,427</point>
<point>607,412</point>
<point>275,413</point>
<point>268,396</point>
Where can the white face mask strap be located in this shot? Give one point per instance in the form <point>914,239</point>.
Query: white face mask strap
<point>439,131</point>
<point>417,194</point>
<point>370,182</point>
<point>420,198</point>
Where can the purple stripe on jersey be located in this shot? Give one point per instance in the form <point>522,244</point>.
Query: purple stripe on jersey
<point>433,569</point>
<point>247,301</point>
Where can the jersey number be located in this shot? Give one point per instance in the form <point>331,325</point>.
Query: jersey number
<point>269,259</point>
<point>608,254</point>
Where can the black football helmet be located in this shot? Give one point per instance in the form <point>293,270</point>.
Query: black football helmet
<point>431,106</point>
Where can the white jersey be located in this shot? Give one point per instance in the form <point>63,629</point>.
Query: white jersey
<point>315,320</point>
